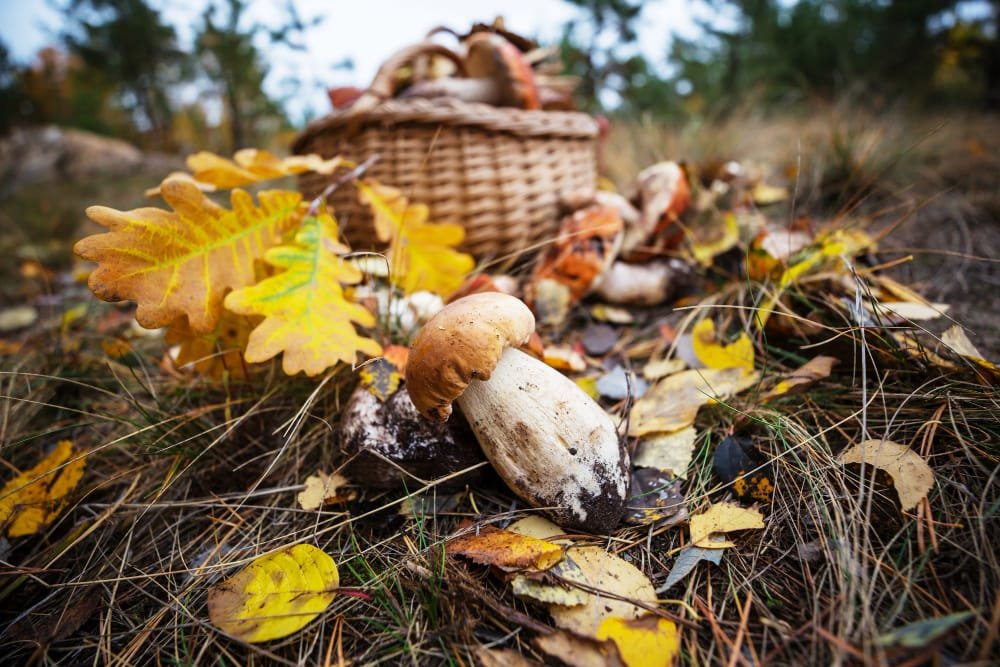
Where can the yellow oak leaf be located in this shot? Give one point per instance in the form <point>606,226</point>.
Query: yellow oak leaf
<point>810,372</point>
<point>911,476</point>
<point>421,254</point>
<point>34,499</point>
<point>649,641</point>
<point>306,313</point>
<point>738,354</point>
<point>722,518</point>
<point>183,262</point>
<point>275,595</point>
<point>251,165</point>
<point>215,354</point>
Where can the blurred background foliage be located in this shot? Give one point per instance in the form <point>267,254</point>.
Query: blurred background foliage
<point>117,67</point>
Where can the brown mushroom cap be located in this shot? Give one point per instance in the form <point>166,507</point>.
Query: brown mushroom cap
<point>462,343</point>
<point>490,56</point>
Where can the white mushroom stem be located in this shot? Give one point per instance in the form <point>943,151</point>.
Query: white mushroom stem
<point>482,90</point>
<point>552,444</point>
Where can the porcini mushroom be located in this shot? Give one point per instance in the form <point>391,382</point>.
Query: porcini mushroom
<point>497,74</point>
<point>549,441</point>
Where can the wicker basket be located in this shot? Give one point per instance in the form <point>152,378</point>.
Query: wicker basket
<point>498,172</point>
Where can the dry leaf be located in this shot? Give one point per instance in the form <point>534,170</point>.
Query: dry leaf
<point>667,451</point>
<point>649,641</point>
<point>540,527</point>
<point>250,165</point>
<point>275,595</point>
<point>911,475</point>
<point>911,311</point>
<point>421,255</point>
<point>661,368</point>
<point>738,354</point>
<point>722,518</point>
<point>564,358</point>
<point>183,262</point>
<point>812,371</point>
<point>306,314</point>
<point>686,561</point>
<point>765,195</point>
<point>320,490</point>
<point>608,573</point>
<point>506,549</point>
<point>955,338</point>
<point>672,403</point>
<point>33,499</point>
<point>577,651</point>
<point>215,354</point>
<point>654,497</point>
<point>501,657</point>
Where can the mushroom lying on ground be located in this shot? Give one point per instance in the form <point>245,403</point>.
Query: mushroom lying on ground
<point>553,445</point>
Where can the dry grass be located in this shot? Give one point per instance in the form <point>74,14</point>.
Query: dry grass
<point>189,479</point>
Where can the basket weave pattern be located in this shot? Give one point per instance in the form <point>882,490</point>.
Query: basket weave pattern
<point>497,172</point>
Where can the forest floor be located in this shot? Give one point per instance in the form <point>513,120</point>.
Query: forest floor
<point>187,478</point>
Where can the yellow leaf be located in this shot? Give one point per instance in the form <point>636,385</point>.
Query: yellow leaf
<point>955,338</point>
<point>764,194</point>
<point>667,451</point>
<point>380,377</point>
<point>215,354</point>
<point>704,250</point>
<point>672,403</point>
<point>606,573</point>
<point>182,262</point>
<point>813,370</point>
<point>649,641</point>
<point>911,475</point>
<point>506,549</point>
<point>275,595</point>
<point>320,490</point>
<point>722,518</point>
<point>421,255</point>
<point>540,527</point>
<point>738,354</point>
<point>562,575</point>
<point>34,499</point>
<point>306,314</point>
<point>250,165</point>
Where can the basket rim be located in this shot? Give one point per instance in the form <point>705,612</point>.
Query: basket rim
<point>447,111</point>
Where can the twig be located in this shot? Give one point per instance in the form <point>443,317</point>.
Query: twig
<point>352,175</point>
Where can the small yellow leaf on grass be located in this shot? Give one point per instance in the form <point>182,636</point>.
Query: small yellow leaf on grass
<point>275,595</point>
<point>672,403</point>
<point>722,518</point>
<point>609,574</point>
<point>738,354</point>
<point>911,475</point>
<point>320,489</point>
<point>421,254</point>
<point>813,370</point>
<point>506,550</point>
<point>649,641</point>
<point>34,499</point>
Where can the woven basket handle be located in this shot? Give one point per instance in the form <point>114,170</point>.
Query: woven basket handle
<point>383,86</point>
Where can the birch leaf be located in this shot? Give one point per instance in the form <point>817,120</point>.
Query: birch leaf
<point>275,595</point>
<point>421,254</point>
<point>34,499</point>
<point>307,316</point>
<point>738,354</point>
<point>649,641</point>
<point>183,262</point>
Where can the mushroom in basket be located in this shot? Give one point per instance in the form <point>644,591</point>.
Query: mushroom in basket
<point>550,442</point>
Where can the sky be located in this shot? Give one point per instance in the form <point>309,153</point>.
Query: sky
<point>366,31</point>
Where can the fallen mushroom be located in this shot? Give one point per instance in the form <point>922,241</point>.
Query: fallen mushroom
<point>388,443</point>
<point>553,445</point>
<point>664,194</point>
<point>497,75</point>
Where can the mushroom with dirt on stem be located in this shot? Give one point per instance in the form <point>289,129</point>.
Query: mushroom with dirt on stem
<point>551,443</point>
